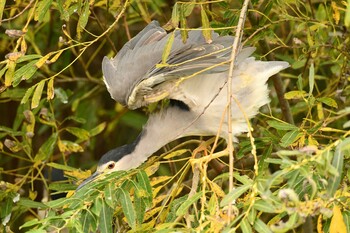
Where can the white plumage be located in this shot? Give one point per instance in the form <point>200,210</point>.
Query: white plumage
<point>133,79</point>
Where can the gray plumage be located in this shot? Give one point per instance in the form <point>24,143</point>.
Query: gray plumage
<point>133,79</point>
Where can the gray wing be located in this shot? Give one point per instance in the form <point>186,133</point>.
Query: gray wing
<point>133,79</point>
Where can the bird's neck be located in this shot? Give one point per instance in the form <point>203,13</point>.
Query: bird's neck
<point>161,128</point>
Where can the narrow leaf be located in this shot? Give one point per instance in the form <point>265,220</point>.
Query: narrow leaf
<point>98,129</point>
<point>245,226</point>
<point>294,95</point>
<point>78,132</point>
<point>186,205</point>
<point>2,6</point>
<point>27,95</point>
<point>311,78</point>
<point>25,72</point>
<point>338,163</point>
<point>31,204</point>
<point>61,167</point>
<point>167,48</point>
<point>37,94</point>
<point>328,101</point>
<point>83,18</point>
<point>50,90</point>
<point>281,125</point>
<point>42,9</point>
<point>290,138</point>
<point>175,16</point>
<point>11,65</point>
<point>106,219</point>
<point>261,227</point>
<point>206,26</point>
<point>128,209</point>
<point>234,194</point>
<point>46,150</point>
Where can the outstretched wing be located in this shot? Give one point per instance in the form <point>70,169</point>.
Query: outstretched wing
<point>133,78</point>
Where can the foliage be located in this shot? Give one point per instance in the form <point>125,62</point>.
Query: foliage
<point>291,173</point>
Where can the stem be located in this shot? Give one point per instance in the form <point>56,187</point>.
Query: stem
<point>235,50</point>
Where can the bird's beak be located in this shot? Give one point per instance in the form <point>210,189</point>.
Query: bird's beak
<point>88,180</point>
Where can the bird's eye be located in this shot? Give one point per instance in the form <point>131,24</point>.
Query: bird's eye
<point>111,165</point>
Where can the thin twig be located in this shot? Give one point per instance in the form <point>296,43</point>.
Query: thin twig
<point>235,50</point>
<point>19,14</point>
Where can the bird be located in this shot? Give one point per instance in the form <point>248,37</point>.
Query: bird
<point>194,79</point>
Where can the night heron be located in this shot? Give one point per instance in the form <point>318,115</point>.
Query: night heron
<point>194,80</point>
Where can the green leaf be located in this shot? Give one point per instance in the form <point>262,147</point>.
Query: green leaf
<point>46,150</point>
<point>206,30</point>
<point>290,137</point>
<point>145,184</point>
<point>37,94</point>
<point>109,194</point>
<point>88,221</point>
<point>175,16</point>
<point>328,101</point>
<point>6,209</point>
<point>79,133</point>
<point>31,204</point>
<point>2,6</point>
<point>27,95</point>
<point>311,78</point>
<point>281,125</point>
<point>347,15</point>
<point>128,209</point>
<point>338,164</point>
<point>234,194</point>
<point>61,167</point>
<point>182,210</point>
<point>25,72</point>
<point>29,57</point>
<point>42,9</point>
<point>168,46</point>
<point>98,129</point>
<point>30,223</point>
<point>245,226</point>
<point>83,18</point>
<point>295,95</point>
<point>264,206</point>
<point>261,227</point>
<point>106,219</point>
<point>59,203</point>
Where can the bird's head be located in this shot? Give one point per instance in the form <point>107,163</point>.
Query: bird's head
<point>118,159</point>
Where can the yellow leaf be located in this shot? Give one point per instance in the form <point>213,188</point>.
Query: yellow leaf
<point>336,14</point>
<point>42,60</point>
<point>37,94</point>
<point>32,194</point>
<point>23,46</point>
<point>175,154</point>
<point>206,26</point>
<point>337,222</point>
<point>168,46</point>
<point>11,65</point>
<point>295,95</point>
<point>80,175</point>
<point>50,90</point>
<point>57,55</point>
<point>320,111</point>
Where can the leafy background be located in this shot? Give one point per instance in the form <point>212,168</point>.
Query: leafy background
<point>57,119</point>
